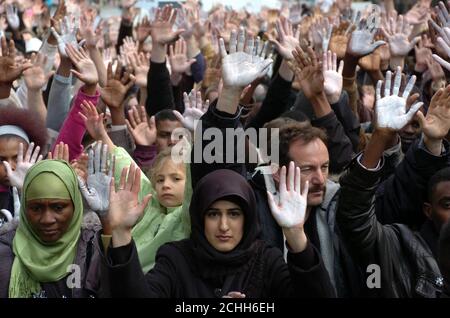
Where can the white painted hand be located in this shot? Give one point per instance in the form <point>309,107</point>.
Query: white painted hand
<point>194,108</point>
<point>288,40</point>
<point>391,109</point>
<point>333,81</point>
<point>12,16</point>
<point>361,41</point>
<point>290,211</point>
<point>239,67</point>
<point>96,191</point>
<point>398,32</point>
<point>69,29</point>
<point>24,163</point>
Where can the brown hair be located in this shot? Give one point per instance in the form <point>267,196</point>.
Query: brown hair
<point>293,131</point>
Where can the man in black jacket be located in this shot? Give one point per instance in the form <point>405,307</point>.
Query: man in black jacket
<point>406,259</point>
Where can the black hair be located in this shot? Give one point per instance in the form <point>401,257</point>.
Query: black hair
<point>165,114</point>
<point>440,176</point>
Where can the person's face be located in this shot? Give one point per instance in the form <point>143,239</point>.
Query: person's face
<point>438,210</point>
<point>164,130</point>
<point>409,134</point>
<point>49,218</point>
<point>169,183</point>
<point>9,148</point>
<point>224,225</point>
<point>313,160</point>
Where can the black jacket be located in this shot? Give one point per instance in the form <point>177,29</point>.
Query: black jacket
<point>399,199</point>
<point>87,258</point>
<point>159,89</point>
<point>407,265</point>
<point>174,277</point>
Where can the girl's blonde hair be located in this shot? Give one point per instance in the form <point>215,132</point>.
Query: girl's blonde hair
<point>161,158</point>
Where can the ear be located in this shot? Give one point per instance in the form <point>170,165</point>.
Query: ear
<point>427,210</point>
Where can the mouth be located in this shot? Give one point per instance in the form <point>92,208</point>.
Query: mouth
<point>167,196</point>
<point>49,233</point>
<point>223,238</point>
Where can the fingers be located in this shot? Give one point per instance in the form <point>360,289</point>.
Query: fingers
<point>130,180</point>
<point>282,187</point>
<point>104,159</point>
<point>123,179</point>
<point>397,81</point>
<point>291,176</point>
<point>442,62</point>
<point>97,156</point>
<point>9,171</point>
<point>412,111</point>
<point>223,51</point>
<point>241,40</point>
<point>91,162</point>
<point>387,84</point>
<point>409,86</point>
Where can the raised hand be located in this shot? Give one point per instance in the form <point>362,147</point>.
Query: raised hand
<point>332,75</point>
<point>92,120</point>
<point>87,31</point>
<point>12,16</point>
<point>100,172</point>
<point>129,45</point>
<point>24,163</point>
<point>321,34</point>
<point>86,70</point>
<point>194,108</point>
<point>141,66</point>
<point>398,33</point>
<point>9,69</point>
<point>422,54</point>
<point>143,30</point>
<point>116,86</point>
<point>288,40</point>
<point>178,57</point>
<point>418,14</point>
<point>124,207</point>
<point>339,40</point>
<point>435,69</point>
<point>35,77</point>
<point>361,40</point>
<point>69,29</point>
<point>61,152</point>
<point>239,67</point>
<point>142,130</point>
<point>443,15</point>
<point>308,72</point>
<point>390,109</point>
<point>162,27</point>
<point>436,124</point>
<point>444,43</point>
<point>290,210</point>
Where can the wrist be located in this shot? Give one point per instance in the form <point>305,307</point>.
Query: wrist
<point>396,61</point>
<point>89,89</point>
<point>158,53</point>
<point>320,104</point>
<point>296,239</point>
<point>334,98</point>
<point>433,145</point>
<point>121,237</point>
<point>5,90</point>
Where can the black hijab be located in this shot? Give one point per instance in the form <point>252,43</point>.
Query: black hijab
<point>222,185</point>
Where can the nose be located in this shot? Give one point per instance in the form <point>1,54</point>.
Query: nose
<point>166,184</point>
<point>173,142</point>
<point>318,178</point>
<point>224,224</point>
<point>47,218</point>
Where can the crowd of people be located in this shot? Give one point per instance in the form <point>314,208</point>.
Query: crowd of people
<point>95,201</point>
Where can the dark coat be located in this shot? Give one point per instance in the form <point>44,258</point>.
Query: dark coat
<point>174,276</point>
<point>408,267</point>
<point>87,257</point>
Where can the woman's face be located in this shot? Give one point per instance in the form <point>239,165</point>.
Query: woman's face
<point>49,218</point>
<point>170,179</point>
<point>9,148</point>
<point>224,225</point>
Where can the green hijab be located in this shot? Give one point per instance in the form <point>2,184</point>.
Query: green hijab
<point>35,261</point>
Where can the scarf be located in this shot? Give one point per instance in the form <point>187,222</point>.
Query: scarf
<point>35,261</point>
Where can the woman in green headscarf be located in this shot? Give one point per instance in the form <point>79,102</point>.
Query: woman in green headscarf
<point>50,254</point>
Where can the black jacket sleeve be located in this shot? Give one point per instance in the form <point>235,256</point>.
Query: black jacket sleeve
<point>275,103</point>
<point>126,278</point>
<point>159,89</point>
<point>400,198</point>
<point>347,118</point>
<point>218,122</point>
<point>304,275</point>
<point>339,145</point>
<point>125,29</point>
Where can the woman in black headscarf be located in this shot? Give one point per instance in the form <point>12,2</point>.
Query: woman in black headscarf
<point>222,257</point>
